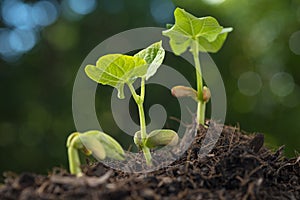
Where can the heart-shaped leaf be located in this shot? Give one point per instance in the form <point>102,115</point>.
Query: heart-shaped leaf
<point>102,145</point>
<point>154,56</point>
<point>189,28</point>
<point>117,70</point>
<point>162,137</point>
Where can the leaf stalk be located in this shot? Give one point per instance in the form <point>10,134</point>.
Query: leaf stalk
<point>201,103</point>
<point>139,99</point>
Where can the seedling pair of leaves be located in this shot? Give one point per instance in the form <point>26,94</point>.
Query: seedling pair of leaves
<point>95,143</point>
<point>198,35</point>
<point>117,70</point>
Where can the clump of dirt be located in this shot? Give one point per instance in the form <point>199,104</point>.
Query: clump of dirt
<point>239,167</point>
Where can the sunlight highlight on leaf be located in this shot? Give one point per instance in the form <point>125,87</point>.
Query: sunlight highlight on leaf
<point>117,70</point>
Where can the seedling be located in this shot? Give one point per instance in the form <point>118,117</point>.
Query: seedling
<point>118,70</point>
<point>198,35</point>
<point>95,143</point>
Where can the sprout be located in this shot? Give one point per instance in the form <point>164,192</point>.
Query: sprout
<point>95,143</point>
<point>198,35</point>
<point>118,70</point>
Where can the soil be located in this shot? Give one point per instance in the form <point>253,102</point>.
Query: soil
<point>239,167</point>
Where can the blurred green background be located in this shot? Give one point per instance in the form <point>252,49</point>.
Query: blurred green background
<point>43,43</point>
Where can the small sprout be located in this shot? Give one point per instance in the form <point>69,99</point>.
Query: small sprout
<point>102,145</point>
<point>206,94</point>
<point>198,35</point>
<point>95,143</point>
<point>118,70</point>
<point>157,138</point>
<point>138,140</point>
<point>183,91</point>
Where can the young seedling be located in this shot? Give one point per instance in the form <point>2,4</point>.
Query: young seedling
<point>95,143</point>
<point>198,35</point>
<point>118,70</point>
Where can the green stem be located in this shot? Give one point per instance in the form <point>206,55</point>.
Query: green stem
<point>73,156</point>
<point>147,155</point>
<point>142,121</point>
<point>139,101</point>
<point>201,112</point>
<point>201,103</point>
<point>74,161</point>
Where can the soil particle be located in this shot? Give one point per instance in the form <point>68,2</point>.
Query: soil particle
<point>238,167</point>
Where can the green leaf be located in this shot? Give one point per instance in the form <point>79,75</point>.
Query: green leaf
<point>117,70</point>
<point>189,28</point>
<point>214,46</point>
<point>161,137</point>
<point>102,145</point>
<point>154,56</point>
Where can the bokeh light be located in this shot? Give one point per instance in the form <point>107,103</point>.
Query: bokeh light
<point>282,84</point>
<point>22,40</point>
<point>82,7</point>
<point>24,21</point>
<point>249,83</point>
<point>18,14</point>
<point>270,66</point>
<point>294,42</point>
<point>44,13</point>
<point>5,48</point>
<point>162,11</point>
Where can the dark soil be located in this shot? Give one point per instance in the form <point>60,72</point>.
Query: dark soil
<point>239,167</point>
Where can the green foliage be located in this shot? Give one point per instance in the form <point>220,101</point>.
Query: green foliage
<point>116,70</point>
<point>197,34</point>
<point>95,143</point>
<point>154,56</point>
<point>206,31</point>
<point>102,145</point>
<point>38,87</point>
